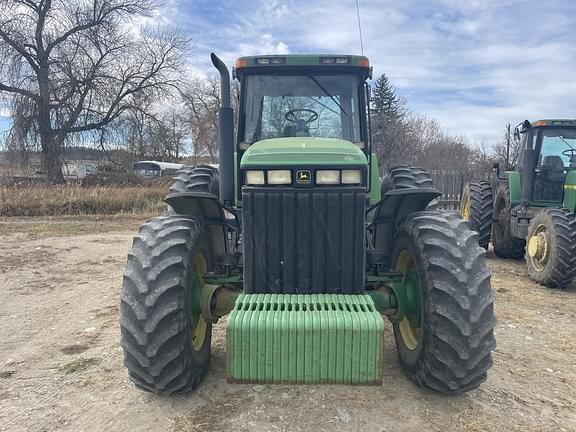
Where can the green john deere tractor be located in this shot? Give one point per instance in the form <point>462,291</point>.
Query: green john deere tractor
<point>528,210</point>
<point>294,242</point>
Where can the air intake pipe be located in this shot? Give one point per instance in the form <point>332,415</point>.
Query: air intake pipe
<point>225,134</point>
<point>527,172</point>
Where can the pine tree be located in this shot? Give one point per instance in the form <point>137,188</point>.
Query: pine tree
<point>387,118</point>
<point>385,101</point>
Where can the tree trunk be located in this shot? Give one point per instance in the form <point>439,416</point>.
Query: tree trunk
<point>50,142</point>
<point>51,162</point>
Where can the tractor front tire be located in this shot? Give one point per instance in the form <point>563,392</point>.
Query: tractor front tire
<point>505,244</point>
<point>476,208</point>
<point>165,339</point>
<point>446,340</point>
<point>551,251</point>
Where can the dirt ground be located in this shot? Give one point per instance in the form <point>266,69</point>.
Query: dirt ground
<point>61,363</point>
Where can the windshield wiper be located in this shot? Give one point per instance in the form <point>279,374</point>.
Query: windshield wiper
<point>324,105</point>
<point>566,142</point>
<point>326,92</point>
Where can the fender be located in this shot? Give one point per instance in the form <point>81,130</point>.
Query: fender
<point>208,209</point>
<point>514,187</point>
<point>392,209</point>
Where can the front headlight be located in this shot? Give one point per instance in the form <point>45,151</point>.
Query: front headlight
<point>279,177</point>
<point>328,177</point>
<point>254,177</point>
<point>351,177</point>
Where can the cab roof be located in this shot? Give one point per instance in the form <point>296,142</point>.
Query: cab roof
<point>554,122</point>
<point>269,63</point>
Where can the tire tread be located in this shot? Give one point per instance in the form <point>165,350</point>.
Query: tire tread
<point>459,320</point>
<point>155,335</point>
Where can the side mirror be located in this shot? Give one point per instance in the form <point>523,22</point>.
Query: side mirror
<point>496,169</point>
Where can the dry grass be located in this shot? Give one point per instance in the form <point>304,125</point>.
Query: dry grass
<point>55,226</point>
<point>43,200</point>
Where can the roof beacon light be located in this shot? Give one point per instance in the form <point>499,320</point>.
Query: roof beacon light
<point>364,62</point>
<point>240,63</point>
<point>263,61</point>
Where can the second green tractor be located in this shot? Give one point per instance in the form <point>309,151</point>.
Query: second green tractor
<point>528,210</point>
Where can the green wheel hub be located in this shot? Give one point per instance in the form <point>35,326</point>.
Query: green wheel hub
<point>411,324</point>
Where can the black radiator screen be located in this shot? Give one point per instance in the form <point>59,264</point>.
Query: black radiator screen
<point>304,241</point>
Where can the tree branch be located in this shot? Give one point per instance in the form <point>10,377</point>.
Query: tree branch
<point>10,89</point>
<point>18,48</point>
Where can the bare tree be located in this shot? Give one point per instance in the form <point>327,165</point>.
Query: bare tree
<point>132,128</point>
<point>167,135</point>
<point>501,152</point>
<point>202,99</point>
<point>79,65</point>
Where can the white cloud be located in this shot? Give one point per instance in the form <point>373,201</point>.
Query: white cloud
<point>474,65</point>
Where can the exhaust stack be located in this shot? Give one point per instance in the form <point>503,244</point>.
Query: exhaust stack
<point>225,134</point>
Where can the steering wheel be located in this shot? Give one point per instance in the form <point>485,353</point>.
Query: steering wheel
<point>571,153</point>
<point>291,115</point>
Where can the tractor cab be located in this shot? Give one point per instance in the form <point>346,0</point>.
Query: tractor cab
<point>296,109</point>
<point>302,96</point>
<point>548,150</point>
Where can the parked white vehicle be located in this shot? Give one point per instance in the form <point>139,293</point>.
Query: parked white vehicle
<point>77,170</point>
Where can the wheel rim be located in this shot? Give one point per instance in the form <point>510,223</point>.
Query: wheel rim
<point>538,250</point>
<point>198,325</point>
<point>410,327</point>
<point>465,208</point>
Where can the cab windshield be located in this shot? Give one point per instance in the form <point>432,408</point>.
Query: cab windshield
<point>325,106</point>
<point>557,148</point>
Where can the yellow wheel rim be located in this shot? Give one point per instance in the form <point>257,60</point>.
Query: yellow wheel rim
<point>538,248</point>
<point>465,208</point>
<point>409,333</point>
<point>199,324</point>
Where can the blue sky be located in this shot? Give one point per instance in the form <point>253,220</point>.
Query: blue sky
<point>472,64</point>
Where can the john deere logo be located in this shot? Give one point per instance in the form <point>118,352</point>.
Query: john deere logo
<point>303,176</point>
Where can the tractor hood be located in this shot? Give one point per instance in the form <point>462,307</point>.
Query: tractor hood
<point>303,151</point>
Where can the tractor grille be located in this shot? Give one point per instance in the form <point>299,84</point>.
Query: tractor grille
<point>304,241</point>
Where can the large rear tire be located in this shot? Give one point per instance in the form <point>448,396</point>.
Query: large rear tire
<point>476,208</point>
<point>505,244</point>
<point>403,177</point>
<point>446,340</point>
<point>408,177</point>
<point>201,178</point>
<point>166,341</point>
<point>551,251</point>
